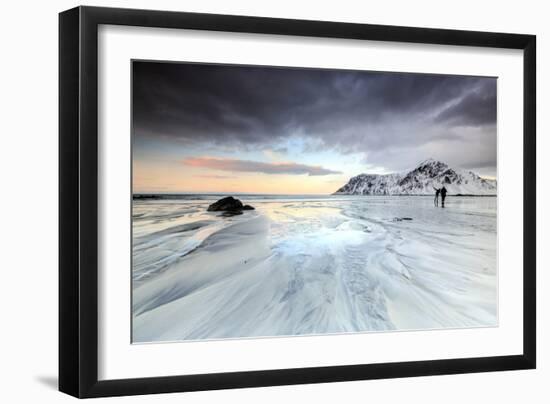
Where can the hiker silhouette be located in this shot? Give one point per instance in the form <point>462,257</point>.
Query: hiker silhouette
<point>443,191</point>
<point>436,199</point>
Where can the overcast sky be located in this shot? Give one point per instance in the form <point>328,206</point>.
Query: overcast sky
<point>228,128</point>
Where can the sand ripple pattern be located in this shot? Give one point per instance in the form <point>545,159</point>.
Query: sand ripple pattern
<point>299,266</point>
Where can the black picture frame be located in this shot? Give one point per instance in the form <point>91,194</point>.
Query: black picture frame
<point>78,201</point>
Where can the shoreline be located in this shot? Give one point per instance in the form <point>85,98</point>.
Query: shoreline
<point>153,196</point>
<point>312,268</point>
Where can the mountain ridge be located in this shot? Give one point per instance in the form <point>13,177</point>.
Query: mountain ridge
<point>421,180</point>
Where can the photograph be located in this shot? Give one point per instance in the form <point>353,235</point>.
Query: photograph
<point>272,201</point>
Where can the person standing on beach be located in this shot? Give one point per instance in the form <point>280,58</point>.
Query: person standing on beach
<point>436,199</point>
<point>443,191</point>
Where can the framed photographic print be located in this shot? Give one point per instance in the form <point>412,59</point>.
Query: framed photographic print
<point>250,201</point>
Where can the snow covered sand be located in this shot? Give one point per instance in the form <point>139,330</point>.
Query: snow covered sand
<point>312,265</point>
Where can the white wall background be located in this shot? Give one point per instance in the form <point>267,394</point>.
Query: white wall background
<point>28,199</point>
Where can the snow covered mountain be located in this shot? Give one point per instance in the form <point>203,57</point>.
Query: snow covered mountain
<point>420,181</point>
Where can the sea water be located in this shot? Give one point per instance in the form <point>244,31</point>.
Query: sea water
<point>299,265</point>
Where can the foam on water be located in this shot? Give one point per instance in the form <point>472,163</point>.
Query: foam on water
<point>312,266</point>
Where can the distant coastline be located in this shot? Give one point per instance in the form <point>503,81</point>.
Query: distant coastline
<point>424,179</point>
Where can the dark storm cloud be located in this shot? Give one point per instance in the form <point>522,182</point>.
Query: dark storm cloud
<point>226,164</point>
<point>476,108</point>
<point>348,111</point>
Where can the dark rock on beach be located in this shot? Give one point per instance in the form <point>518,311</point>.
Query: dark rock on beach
<point>229,205</point>
<point>226,204</point>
